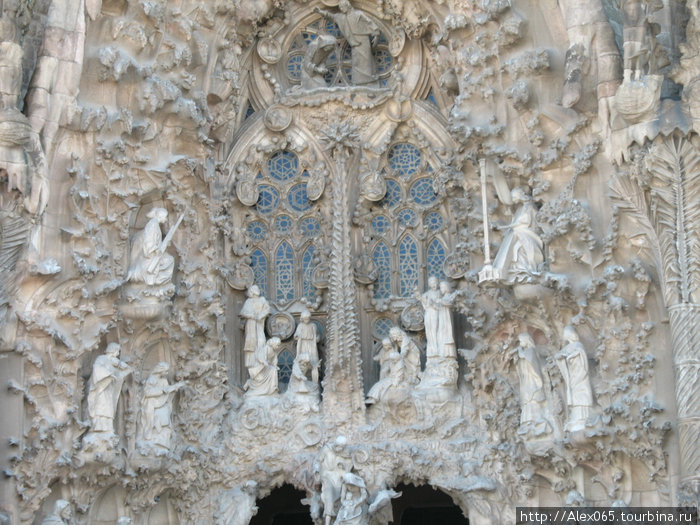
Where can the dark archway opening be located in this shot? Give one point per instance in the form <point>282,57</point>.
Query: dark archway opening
<point>282,507</point>
<point>424,505</point>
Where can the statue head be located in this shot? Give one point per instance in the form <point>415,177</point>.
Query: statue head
<point>305,316</point>
<point>570,334</point>
<point>160,368</point>
<point>62,509</point>
<point>433,282</point>
<point>254,291</point>
<point>526,340</point>
<point>344,6</point>
<point>339,443</point>
<point>396,334</point>
<point>160,214</point>
<point>387,344</point>
<point>274,342</point>
<point>112,350</point>
<point>518,194</point>
<point>444,287</point>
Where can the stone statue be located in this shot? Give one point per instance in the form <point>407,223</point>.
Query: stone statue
<point>254,311</point>
<point>410,354</point>
<point>149,264</point>
<point>353,501</point>
<point>237,505</point>
<point>391,375</point>
<point>332,464</point>
<point>312,67</point>
<point>639,37</point>
<point>573,364</point>
<point>431,302</point>
<point>307,338</point>
<point>302,387</point>
<point>155,430</point>
<point>446,341</point>
<point>533,402</point>
<point>108,374</point>
<point>360,31</point>
<point>263,373</point>
<point>522,251</point>
<point>62,514</point>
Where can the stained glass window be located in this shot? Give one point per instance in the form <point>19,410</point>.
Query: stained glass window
<point>297,197</point>
<point>268,200</point>
<point>284,273</point>
<point>408,266</point>
<point>310,227</point>
<point>435,259</point>
<point>404,159</point>
<point>380,224</point>
<point>285,362</point>
<point>382,261</point>
<point>283,165</point>
<point>249,111</point>
<point>422,192</point>
<point>258,262</point>
<point>257,230</point>
<point>434,221</point>
<point>408,218</point>
<point>431,98</point>
<point>383,60</point>
<point>294,66</point>
<point>393,194</point>
<point>307,268</point>
<point>282,224</point>
<point>382,327</point>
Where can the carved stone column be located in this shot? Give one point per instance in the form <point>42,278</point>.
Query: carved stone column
<point>343,398</point>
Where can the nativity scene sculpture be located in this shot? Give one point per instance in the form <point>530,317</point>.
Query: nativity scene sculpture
<point>155,426</point>
<point>331,465</point>
<point>263,380</point>
<point>573,364</point>
<point>254,312</point>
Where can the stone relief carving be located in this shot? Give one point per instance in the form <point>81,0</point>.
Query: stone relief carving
<point>208,113</point>
<point>155,427</point>
<point>62,514</point>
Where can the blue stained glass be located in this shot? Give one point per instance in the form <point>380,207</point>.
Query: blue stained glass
<point>380,224</point>
<point>408,218</point>
<point>383,60</point>
<point>297,197</point>
<point>333,29</point>
<point>393,194</point>
<point>283,165</point>
<point>382,326</point>
<point>249,111</point>
<point>405,159</point>
<point>284,276</point>
<point>435,259</point>
<point>258,262</point>
<point>307,267</point>
<point>268,200</point>
<point>257,230</point>
<point>285,362</point>
<point>308,37</point>
<point>422,192</point>
<point>310,227</point>
<point>431,98</point>
<point>282,224</point>
<point>434,221</point>
<point>347,54</point>
<point>408,266</point>
<point>382,261</point>
<point>294,66</point>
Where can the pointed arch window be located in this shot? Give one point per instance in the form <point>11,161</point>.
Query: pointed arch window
<point>307,268</point>
<point>435,259</point>
<point>408,266</point>
<point>284,276</point>
<point>258,263</point>
<point>382,261</point>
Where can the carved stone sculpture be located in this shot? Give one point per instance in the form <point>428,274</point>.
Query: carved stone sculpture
<point>148,263</point>
<point>62,514</point>
<point>353,501</point>
<point>391,375</point>
<point>332,464</point>
<point>359,30</point>
<point>237,506</point>
<point>410,354</point>
<point>155,427</point>
<point>521,252</point>
<point>431,303</point>
<point>263,372</point>
<point>108,374</point>
<point>313,68</point>
<point>307,338</point>
<point>303,383</point>
<point>533,402</point>
<point>254,312</point>
<point>573,363</point>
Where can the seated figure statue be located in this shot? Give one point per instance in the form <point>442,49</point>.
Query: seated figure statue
<point>149,264</point>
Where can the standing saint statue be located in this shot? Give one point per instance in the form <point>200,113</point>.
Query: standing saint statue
<point>306,337</point>
<point>155,429</point>
<point>263,372</point>
<point>108,374</point>
<point>360,31</point>
<point>573,364</point>
<point>254,311</point>
<point>533,402</point>
<point>446,346</point>
<point>431,301</point>
<point>332,464</point>
<point>149,264</point>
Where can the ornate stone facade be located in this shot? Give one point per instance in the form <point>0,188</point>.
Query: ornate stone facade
<point>345,246</point>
